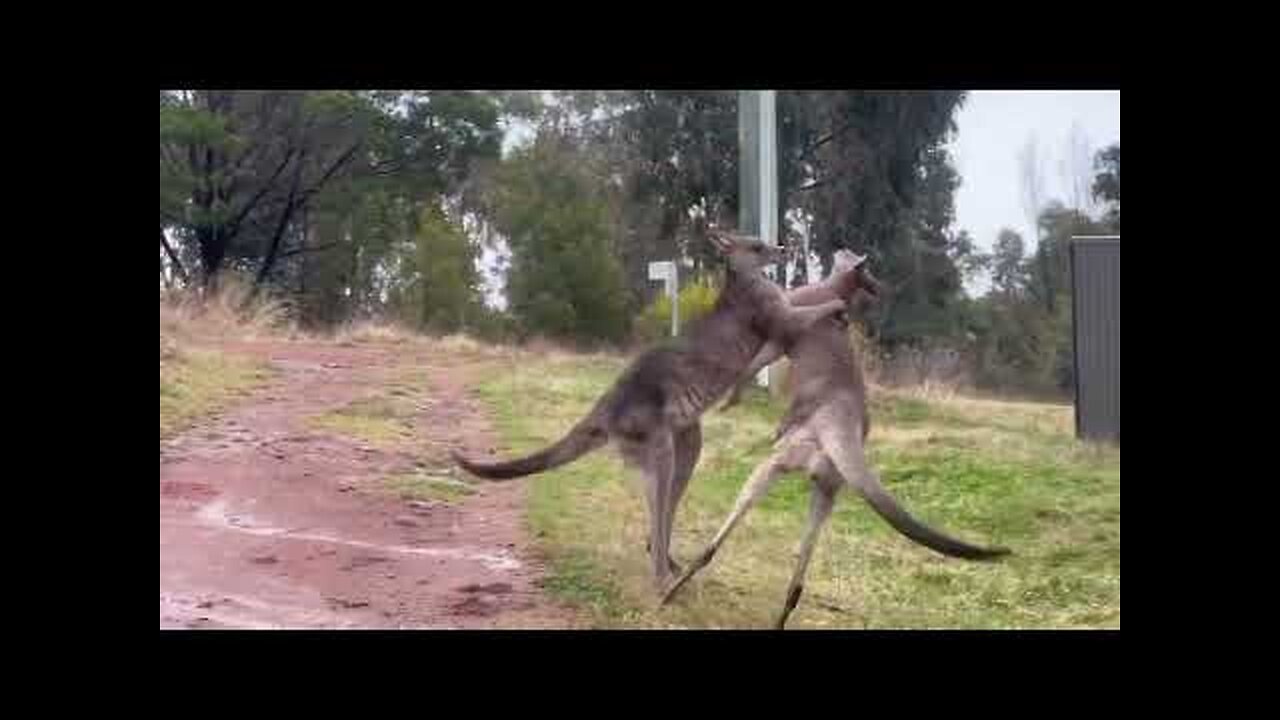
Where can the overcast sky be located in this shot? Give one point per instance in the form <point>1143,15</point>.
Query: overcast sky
<point>992,128</point>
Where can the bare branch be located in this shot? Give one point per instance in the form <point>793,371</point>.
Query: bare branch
<point>173,257</point>
<point>234,225</point>
<point>1032,184</point>
<point>823,141</point>
<point>306,249</point>
<point>342,160</point>
<point>815,184</point>
<point>168,154</point>
<point>285,215</point>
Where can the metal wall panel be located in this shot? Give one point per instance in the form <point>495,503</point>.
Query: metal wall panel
<point>1095,280</point>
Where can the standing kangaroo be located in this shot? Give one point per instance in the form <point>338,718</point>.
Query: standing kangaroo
<point>823,434</point>
<point>653,411</point>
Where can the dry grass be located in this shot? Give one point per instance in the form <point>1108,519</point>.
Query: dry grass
<point>391,333</point>
<point>373,332</point>
<point>195,379</point>
<point>226,313</point>
<point>458,343</point>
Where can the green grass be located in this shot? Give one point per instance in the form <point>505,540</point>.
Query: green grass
<point>428,485</point>
<point>990,472</point>
<point>196,383</point>
<point>378,420</point>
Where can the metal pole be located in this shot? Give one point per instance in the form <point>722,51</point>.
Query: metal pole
<point>758,172</point>
<point>673,292</point>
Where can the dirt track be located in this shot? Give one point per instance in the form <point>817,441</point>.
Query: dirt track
<point>266,522</point>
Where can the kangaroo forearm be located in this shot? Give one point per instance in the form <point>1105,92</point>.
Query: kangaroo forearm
<point>812,294</point>
<point>806,317</point>
<point>769,353</point>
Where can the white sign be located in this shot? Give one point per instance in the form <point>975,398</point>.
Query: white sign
<point>665,270</point>
<point>661,270</point>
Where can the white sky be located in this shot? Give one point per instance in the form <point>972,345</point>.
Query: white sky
<point>992,128</point>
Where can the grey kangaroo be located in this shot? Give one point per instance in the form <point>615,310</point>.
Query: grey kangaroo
<point>653,411</point>
<point>822,434</point>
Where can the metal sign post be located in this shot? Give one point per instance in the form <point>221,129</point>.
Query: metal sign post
<point>666,271</point>
<point>758,172</point>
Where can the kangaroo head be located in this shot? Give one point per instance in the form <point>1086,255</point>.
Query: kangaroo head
<point>847,261</point>
<point>746,254</point>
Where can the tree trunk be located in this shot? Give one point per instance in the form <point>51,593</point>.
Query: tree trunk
<point>213,249</point>
<point>180,271</point>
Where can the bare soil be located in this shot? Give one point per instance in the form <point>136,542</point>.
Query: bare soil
<point>267,522</point>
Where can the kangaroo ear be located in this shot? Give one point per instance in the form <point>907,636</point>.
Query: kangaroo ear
<point>717,240</point>
<point>846,260</point>
<point>725,242</point>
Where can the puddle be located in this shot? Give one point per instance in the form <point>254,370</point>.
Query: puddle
<point>215,513</point>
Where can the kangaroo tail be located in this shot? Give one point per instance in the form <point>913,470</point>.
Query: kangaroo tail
<point>846,454</point>
<point>586,436</point>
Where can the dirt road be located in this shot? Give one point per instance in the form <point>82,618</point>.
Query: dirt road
<point>268,522</point>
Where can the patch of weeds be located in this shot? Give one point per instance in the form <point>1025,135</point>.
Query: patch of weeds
<point>197,383</point>
<point>377,420</point>
<point>428,486</point>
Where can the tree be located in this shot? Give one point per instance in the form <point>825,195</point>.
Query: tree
<point>851,167</point>
<point>861,161</point>
<point>1106,184</point>
<point>240,169</point>
<point>875,178</point>
<point>678,160</point>
<point>440,286</point>
<point>1006,324</point>
<point>565,279</point>
<point>1008,264</point>
<point>244,163</point>
<point>926,306</point>
<point>1031,174</point>
<point>324,195</point>
<point>1075,169</point>
<point>1023,326</point>
<point>971,263</point>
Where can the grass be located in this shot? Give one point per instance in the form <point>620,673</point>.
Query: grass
<point>195,380</point>
<point>226,313</point>
<point>428,485</point>
<point>378,420</point>
<point>196,383</point>
<point>987,471</point>
<point>384,418</point>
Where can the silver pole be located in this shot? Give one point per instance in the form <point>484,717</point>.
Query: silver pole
<point>758,172</point>
<point>673,292</point>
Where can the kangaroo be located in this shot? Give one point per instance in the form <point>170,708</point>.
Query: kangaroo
<point>653,411</point>
<point>823,433</point>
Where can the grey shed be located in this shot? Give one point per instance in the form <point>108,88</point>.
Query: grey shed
<point>1095,290</point>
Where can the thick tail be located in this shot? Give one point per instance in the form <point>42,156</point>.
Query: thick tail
<point>586,436</point>
<point>846,453</point>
